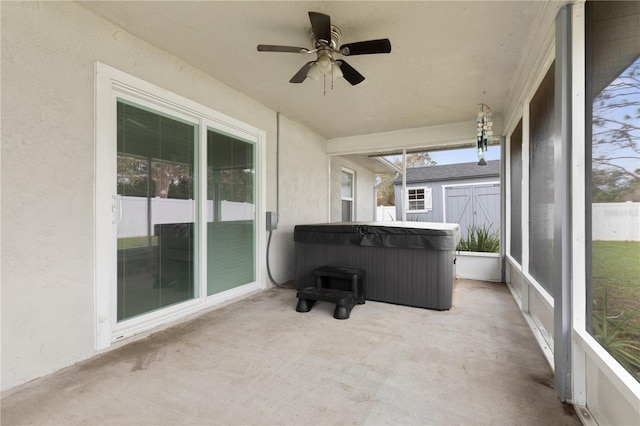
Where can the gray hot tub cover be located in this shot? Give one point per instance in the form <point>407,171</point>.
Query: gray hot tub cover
<point>415,235</point>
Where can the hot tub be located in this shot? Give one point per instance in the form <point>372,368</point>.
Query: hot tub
<point>408,263</point>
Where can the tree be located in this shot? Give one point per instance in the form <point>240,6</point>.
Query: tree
<point>386,193</point>
<point>416,159</point>
<point>616,139</point>
<point>182,190</point>
<point>167,173</point>
<point>612,185</point>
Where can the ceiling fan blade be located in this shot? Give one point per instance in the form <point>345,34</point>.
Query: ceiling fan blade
<point>301,75</point>
<point>349,73</point>
<point>321,25</point>
<point>272,48</point>
<point>366,47</point>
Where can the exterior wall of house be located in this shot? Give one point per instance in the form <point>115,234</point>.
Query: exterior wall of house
<point>299,198</point>
<point>49,52</point>
<point>437,212</point>
<point>364,182</point>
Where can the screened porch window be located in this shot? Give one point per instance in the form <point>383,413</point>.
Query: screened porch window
<point>515,159</point>
<point>613,249</point>
<point>542,182</point>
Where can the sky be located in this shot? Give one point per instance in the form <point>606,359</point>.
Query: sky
<point>466,155</point>
<point>615,115</point>
<point>457,156</point>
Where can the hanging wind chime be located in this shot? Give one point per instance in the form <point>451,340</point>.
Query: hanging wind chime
<point>484,132</point>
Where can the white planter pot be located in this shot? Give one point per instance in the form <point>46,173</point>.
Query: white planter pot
<point>478,266</point>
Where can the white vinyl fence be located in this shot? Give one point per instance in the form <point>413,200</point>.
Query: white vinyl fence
<point>385,213</point>
<point>616,221</point>
<point>135,211</point>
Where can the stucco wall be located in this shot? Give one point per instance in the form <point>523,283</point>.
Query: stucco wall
<point>48,55</point>
<point>364,182</point>
<point>303,192</point>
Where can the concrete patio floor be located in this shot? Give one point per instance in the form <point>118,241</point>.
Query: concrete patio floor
<point>257,361</point>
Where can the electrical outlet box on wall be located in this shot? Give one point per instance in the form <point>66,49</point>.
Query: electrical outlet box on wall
<point>272,221</point>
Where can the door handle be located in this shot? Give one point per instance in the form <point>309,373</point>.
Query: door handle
<point>116,208</point>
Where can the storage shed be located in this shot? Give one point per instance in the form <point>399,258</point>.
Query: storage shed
<point>464,193</point>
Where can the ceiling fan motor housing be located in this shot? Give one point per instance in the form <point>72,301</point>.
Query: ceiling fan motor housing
<point>336,35</point>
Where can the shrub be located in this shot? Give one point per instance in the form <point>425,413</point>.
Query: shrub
<point>618,335</point>
<point>480,239</point>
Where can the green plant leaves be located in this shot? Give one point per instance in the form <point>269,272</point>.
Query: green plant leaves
<point>613,334</point>
<point>480,239</point>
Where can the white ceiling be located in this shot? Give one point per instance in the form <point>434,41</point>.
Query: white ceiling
<point>446,56</point>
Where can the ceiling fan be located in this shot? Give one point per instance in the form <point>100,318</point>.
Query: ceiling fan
<point>326,38</point>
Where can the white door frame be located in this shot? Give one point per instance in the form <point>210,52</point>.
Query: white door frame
<point>112,84</point>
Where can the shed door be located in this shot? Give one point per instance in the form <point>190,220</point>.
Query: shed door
<point>486,206</point>
<point>459,207</point>
<point>471,205</point>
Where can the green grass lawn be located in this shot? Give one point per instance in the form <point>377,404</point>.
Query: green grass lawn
<point>616,268</point>
<point>616,279</point>
<point>135,242</point>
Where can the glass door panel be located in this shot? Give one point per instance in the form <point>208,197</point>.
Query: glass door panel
<point>156,250</point>
<point>230,212</point>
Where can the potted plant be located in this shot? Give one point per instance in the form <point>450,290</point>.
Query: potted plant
<point>478,254</point>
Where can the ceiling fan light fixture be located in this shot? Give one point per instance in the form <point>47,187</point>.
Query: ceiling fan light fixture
<point>324,63</point>
<point>314,72</point>
<point>336,72</point>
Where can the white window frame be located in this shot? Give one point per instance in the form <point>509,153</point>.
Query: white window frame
<point>353,193</point>
<point>428,199</point>
<point>112,85</point>
<point>585,348</point>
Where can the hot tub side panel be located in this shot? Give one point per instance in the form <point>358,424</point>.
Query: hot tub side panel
<point>414,277</point>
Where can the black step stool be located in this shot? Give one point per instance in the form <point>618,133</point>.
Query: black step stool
<point>344,300</point>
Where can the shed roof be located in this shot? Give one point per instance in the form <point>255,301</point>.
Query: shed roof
<point>452,172</point>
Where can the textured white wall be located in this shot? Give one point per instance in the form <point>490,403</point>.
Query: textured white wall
<point>48,55</point>
<point>365,180</point>
<point>302,190</point>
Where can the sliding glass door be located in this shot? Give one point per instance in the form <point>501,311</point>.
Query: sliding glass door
<point>231,212</point>
<point>156,211</point>
<point>157,207</point>
<point>156,202</point>
<point>178,199</point>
